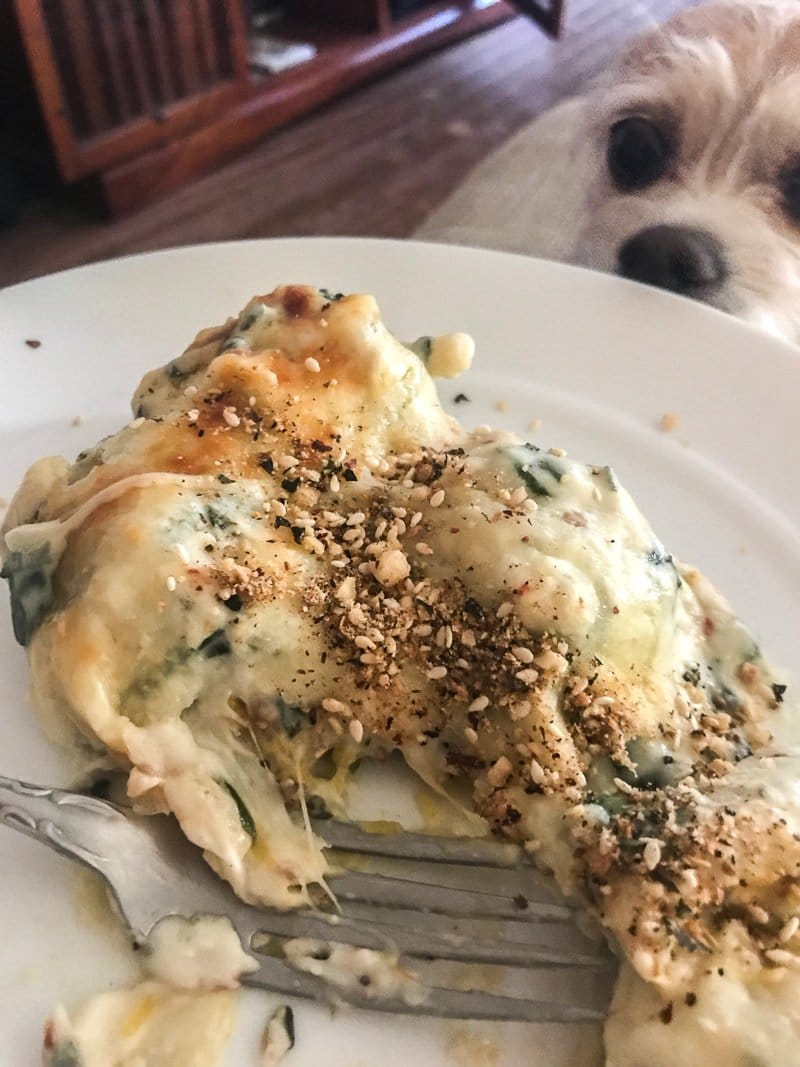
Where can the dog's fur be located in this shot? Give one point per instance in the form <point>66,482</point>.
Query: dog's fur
<point>724,78</point>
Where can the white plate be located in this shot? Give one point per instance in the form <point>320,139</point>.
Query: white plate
<point>598,360</point>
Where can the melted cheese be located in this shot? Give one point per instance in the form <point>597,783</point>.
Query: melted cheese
<point>293,559</point>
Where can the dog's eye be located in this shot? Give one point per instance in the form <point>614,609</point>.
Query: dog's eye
<point>791,190</point>
<point>638,153</point>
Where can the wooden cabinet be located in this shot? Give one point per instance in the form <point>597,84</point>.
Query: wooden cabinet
<point>138,96</point>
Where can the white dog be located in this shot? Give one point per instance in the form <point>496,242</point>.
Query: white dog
<point>681,168</point>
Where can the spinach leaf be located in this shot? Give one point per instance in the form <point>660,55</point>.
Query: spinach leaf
<point>293,718</point>
<point>30,581</point>
<point>66,1055</point>
<point>245,818</point>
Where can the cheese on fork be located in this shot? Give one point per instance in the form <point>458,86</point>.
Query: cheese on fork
<point>293,560</point>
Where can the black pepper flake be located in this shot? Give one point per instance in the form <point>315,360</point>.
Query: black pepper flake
<point>521,902</point>
<point>691,1000</point>
<point>291,485</point>
<point>461,398</point>
<point>472,607</point>
<point>281,521</point>
<point>665,1015</point>
<point>234,602</point>
<point>349,475</point>
<point>266,463</point>
<point>225,479</point>
<point>778,690</point>
<point>320,446</point>
<point>31,342</point>
<point>298,533</point>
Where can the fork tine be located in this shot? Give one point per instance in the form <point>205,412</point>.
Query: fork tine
<point>388,891</point>
<point>404,844</point>
<point>280,977</point>
<point>462,946</point>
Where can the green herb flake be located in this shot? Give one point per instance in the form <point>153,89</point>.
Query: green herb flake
<point>216,644</point>
<point>330,296</point>
<point>317,808</point>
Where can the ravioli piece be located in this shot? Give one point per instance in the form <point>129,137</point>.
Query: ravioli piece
<point>293,560</point>
<point>150,1024</point>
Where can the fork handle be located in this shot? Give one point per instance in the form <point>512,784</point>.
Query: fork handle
<point>55,817</point>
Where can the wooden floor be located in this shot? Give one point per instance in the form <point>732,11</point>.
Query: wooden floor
<point>372,163</point>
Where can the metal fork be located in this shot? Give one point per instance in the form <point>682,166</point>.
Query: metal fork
<point>417,910</point>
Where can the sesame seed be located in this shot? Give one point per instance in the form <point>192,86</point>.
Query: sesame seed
<point>356,730</point>
<point>182,552</point>
<point>603,702</point>
<point>193,415</point>
<point>335,707</point>
<point>479,703</point>
<point>356,518</point>
<point>623,787</point>
<point>362,641</point>
<point>312,365</point>
<point>416,518</point>
<point>286,462</point>
<point>520,710</point>
<point>534,425</point>
<point>652,854</point>
<point>537,772</point>
<point>668,422</point>
<point>558,452</point>
<point>399,513</point>
<point>230,417</point>
<point>424,548</point>
<point>437,498</point>
<point>436,673</point>
<point>528,676</point>
<point>468,639</point>
<point>334,484</point>
<point>471,735</point>
<point>368,658</point>
<point>519,495</point>
<point>499,772</point>
<point>524,655</point>
<point>789,929</point>
<point>251,401</point>
<point>504,610</point>
<point>171,584</point>
<point>270,377</point>
<point>190,390</point>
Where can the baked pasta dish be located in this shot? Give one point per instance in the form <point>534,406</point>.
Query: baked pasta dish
<point>292,560</point>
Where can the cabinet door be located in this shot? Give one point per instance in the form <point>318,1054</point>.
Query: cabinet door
<point>548,13</point>
<point>115,77</point>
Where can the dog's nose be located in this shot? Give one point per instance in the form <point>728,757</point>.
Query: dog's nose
<point>678,258</point>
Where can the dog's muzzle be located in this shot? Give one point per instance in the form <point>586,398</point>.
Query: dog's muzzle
<point>679,258</point>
